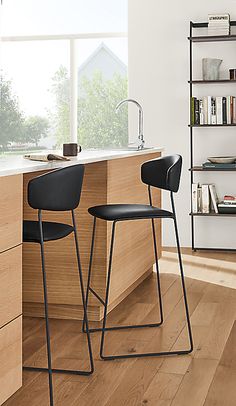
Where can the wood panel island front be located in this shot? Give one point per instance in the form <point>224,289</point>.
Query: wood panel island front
<point>110,177</point>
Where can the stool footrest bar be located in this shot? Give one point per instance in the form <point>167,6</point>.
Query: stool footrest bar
<point>151,354</point>
<point>93,330</point>
<point>57,371</point>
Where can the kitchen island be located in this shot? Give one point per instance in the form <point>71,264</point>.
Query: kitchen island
<point>110,177</point>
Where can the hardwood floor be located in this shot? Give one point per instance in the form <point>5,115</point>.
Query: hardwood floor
<point>207,377</point>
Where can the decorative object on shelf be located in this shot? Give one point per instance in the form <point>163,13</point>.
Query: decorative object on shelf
<point>232,74</point>
<point>71,149</point>
<point>218,24</point>
<point>211,68</point>
<point>222,159</point>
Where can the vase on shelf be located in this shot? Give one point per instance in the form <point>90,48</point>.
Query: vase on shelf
<point>211,68</point>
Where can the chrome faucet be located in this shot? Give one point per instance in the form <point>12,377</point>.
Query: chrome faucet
<point>140,126</point>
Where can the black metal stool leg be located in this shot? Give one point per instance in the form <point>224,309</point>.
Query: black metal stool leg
<point>107,289</point>
<point>156,259</point>
<point>89,270</point>
<point>46,310</point>
<point>182,275</point>
<point>158,272</point>
<point>83,297</point>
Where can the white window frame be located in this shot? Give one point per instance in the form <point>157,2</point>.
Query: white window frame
<point>72,38</point>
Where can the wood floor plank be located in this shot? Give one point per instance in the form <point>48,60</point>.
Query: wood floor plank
<point>214,342</point>
<point>162,389</point>
<point>201,320</point>
<point>222,390</point>
<point>195,384</point>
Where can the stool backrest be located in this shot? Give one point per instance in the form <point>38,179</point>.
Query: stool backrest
<point>58,190</point>
<point>163,173</point>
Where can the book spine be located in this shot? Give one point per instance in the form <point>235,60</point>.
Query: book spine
<point>194,198</point>
<point>231,109</point>
<point>192,110</point>
<point>205,113</point>
<point>197,115</point>
<point>205,199</point>
<point>199,199</point>
<point>201,112</point>
<point>224,110</point>
<point>213,110</point>
<point>208,109</point>
<point>228,109</point>
<point>234,110</point>
<point>229,202</point>
<point>219,110</point>
<point>220,166</point>
<point>214,199</point>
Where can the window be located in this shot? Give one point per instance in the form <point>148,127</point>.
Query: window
<point>63,69</point>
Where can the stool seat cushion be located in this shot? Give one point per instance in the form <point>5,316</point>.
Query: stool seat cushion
<point>51,231</point>
<point>128,212</point>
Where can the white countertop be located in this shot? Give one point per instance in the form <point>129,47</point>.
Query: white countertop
<point>12,165</point>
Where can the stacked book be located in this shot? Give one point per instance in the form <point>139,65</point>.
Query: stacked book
<point>228,206</point>
<point>218,24</point>
<point>210,165</point>
<point>204,198</point>
<point>213,110</point>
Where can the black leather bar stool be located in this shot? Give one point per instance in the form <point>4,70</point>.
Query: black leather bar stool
<point>59,190</point>
<point>163,173</point>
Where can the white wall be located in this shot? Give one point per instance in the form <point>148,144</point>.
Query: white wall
<point>158,75</point>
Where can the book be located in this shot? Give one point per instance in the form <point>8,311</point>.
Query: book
<point>229,199</point>
<point>219,110</point>
<point>194,197</point>
<point>228,119</point>
<point>208,109</point>
<point>234,110</point>
<point>218,24</point>
<point>214,197</point>
<point>219,166</point>
<point>201,112</point>
<point>213,110</point>
<point>45,158</point>
<point>196,109</point>
<point>228,202</point>
<point>193,110</point>
<point>205,104</point>
<point>226,209</point>
<point>199,199</point>
<point>224,110</point>
<point>205,199</point>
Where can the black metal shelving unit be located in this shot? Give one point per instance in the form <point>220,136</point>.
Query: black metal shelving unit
<point>192,82</point>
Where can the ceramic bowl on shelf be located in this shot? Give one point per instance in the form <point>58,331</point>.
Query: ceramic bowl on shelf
<point>222,159</point>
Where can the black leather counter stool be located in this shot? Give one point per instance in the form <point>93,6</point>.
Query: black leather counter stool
<point>163,173</point>
<point>59,190</point>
